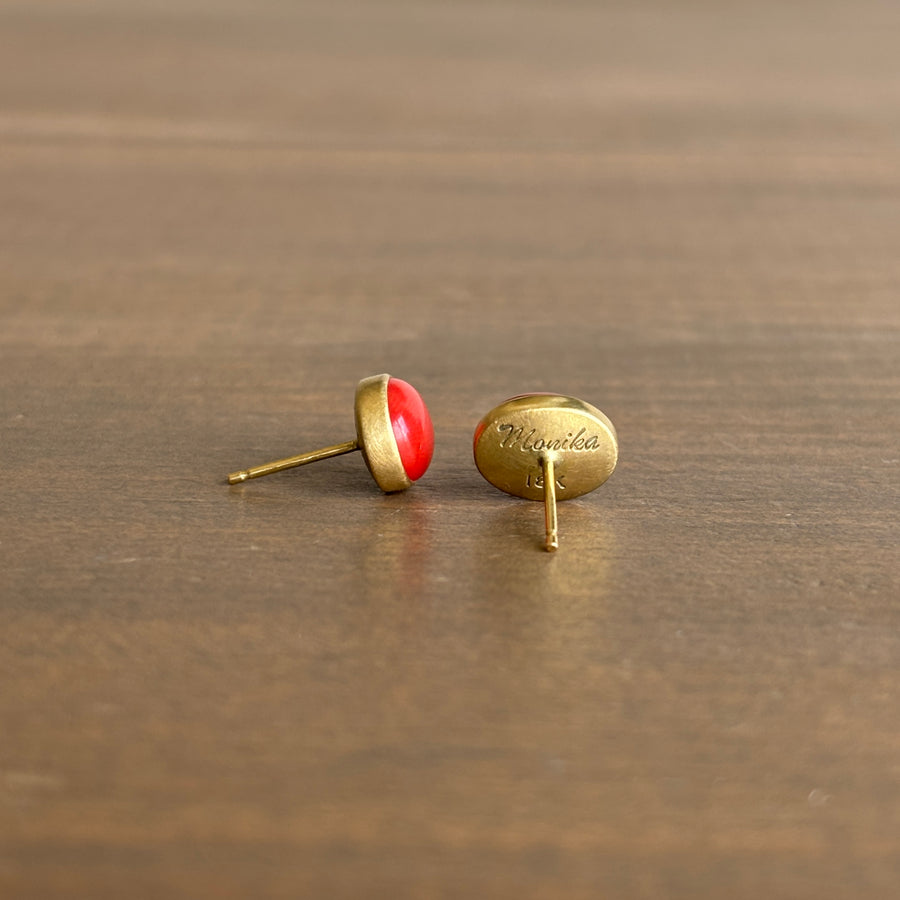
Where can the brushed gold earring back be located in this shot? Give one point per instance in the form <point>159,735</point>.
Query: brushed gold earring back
<point>546,447</point>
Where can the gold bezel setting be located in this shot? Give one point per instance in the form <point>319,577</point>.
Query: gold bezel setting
<point>375,434</point>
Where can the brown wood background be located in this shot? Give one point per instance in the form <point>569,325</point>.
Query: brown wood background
<point>216,217</point>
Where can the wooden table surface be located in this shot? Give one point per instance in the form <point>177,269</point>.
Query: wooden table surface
<point>216,217</point>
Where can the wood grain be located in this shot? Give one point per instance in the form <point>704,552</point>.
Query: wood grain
<point>216,217</point>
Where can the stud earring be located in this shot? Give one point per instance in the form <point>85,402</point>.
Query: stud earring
<point>393,432</point>
<point>546,447</point>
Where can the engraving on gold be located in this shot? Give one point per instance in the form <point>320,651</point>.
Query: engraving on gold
<point>513,437</point>
<point>538,481</point>
<point>546,447</point>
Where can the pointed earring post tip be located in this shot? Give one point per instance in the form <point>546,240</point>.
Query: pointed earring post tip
<point>292,462</point>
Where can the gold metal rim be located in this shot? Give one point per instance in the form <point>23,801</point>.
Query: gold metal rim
<point>376,435</point>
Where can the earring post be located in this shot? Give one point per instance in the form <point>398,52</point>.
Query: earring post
<point>292,462</point>
<point>550,523</point>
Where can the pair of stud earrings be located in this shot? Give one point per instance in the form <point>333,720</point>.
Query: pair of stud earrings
<point>537,446</point>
